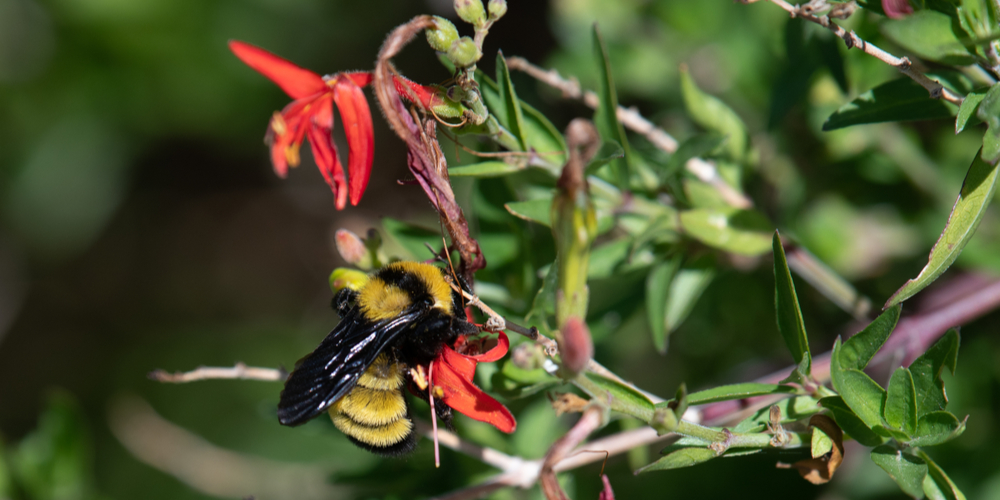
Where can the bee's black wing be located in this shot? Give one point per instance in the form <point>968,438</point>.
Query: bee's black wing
<point>332,370</point>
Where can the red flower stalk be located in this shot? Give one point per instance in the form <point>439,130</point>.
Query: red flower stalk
<point>454,386</point>
<point>311,115</point>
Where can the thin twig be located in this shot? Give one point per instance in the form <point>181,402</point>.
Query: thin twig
<point>852,40</point>
<point>631,119</point>
<point>238,372</point>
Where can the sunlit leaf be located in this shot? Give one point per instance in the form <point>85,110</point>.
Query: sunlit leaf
<point>977,192</point>
<point>619,397</point>
<point>684,457</point>
<point>896,101</point>
<point>685,290</point>
<point>968,110</point>
<point>610,150</point>
<point>509,113</point>
<point>930,34</point>
<point>786,305</point>
<point>858,350</point>
<point>989,112</point>
<point>901,402</point>
<point>712,114</point>
<point>907,470</point>
<point>937,427</point>
<point>541,135</point>
<point>744,232</point>
<point>606,116</point>
<point>927,371</point>
<point>693,147</point>
<point>484,169</point>
<point>737,391</point>
<point>862,394</point>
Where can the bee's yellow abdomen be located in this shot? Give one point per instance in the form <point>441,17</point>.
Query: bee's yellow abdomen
<point>374,412</point>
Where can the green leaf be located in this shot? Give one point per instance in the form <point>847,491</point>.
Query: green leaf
<point>792,409</point>
<point>619,397</point>
<point>684,457</point>
<point>714,115</point>
<point>968,110</point>
<point>736,391</point>
<point>605,258</point>
<point>606,116</point>
<point>53,461</point>
<point>862,394</point>
<point>930,35</point>
<point>744,232</point>
<point>693,147</point>
<point>610,151</point>
<point>927,371</point>
<point>858,350</point>
<point>410,237</point>
<point>657,290</point>
<point>989,112</point>
<point>829,49</point>
<point>544,303</point>
<point>512,382</point>
<point>850,422</point>
<point>538,211</point>
<point>977,192</point>
<point>907,470</point>
<point>944,484</point>
<point>541,135</point>
<point>484,169</point>
<point>509,114</point>
<point>786,305</point>
<point>901,402</point>
<point>685,290</point>
<point>937,427</point>
<point>895,101</point>
<point>820,444</point>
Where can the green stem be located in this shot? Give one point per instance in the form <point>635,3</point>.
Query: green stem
<point>730,439</point>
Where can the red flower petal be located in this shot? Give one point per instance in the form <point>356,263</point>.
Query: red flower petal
<point>295,81</point>
<point>357,120</point>
<point>464,397</point>
<point>414,92</point>
<point>360,78</point>
<point>460,363</point>
<point>325,154</point>
<point>498,351</point>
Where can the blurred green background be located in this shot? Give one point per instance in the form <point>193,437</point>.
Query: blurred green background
<point>141,227</point>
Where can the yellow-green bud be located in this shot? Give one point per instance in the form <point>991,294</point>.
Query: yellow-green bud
<point>442,35</point>
<point>471,11</point>
<point>343,277</point>
<point>464,52</point>
<point>497,9</point>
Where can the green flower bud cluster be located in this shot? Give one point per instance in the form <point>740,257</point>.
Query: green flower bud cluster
<point>442,35</point>
<point>471,11</point>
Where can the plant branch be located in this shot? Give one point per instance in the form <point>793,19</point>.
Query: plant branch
<point>852,40</point>
<point>238,372</point>
<point>631,119</point>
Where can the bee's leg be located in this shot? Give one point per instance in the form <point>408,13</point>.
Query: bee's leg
<point>342,300</point>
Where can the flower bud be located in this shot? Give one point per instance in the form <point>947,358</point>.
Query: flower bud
<point>576,347</point>
<point>497,9</point>
<point>442,35</point>
<point>351,248</point>
<point>464,53</point>
<point>343,277</point>
<point>471,11</point>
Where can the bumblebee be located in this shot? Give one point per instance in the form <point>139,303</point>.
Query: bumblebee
<point>401,317</point>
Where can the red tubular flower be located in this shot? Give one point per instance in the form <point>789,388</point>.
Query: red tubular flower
<point>453,375</point>
<point>311,115</point>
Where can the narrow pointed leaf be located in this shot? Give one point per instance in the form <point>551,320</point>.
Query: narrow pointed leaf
<point>901,402</point>
<point>931,35</point>
<point>606,116</point>
<point>610,151</point>
<point>862,394</point>
<point>509,114</point>
<point>744,232</point>
<point>944,483</point>
<point>657,289</point>
<point>927,370</point>
<point>737,391</point>
<point>858,350</point>
<point>907,470</point>
<point>968,110</point>
<point>538,211</point>
<point>850,422</point>
<point>484,169</point>
<point>713,114</point>
<point>977,192</point>
<point>685,290</point>
<point>786,306</point>
<point>895,101</point>
<point>540,133</point>
<point>619,397</point>
<point>696,146</point>
<point>684,457</point>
